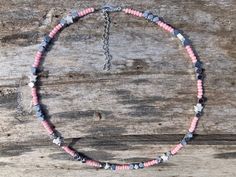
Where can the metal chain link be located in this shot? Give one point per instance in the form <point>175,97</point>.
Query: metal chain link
<point>108,56</point>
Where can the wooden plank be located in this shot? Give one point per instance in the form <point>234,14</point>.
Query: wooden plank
<point>137,110</point>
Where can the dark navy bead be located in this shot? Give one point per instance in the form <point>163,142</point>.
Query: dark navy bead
<point>176,32</point>
<point>34,70</point>
<point>198,70</point>
<point>198,64</point>
<point>113,167</point>
<point>186,42</point>
<point>47,39</point>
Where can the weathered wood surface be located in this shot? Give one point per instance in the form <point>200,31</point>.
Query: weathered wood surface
<point>139,109</point>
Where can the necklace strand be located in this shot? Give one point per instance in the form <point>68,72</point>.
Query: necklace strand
<point>56,137</point>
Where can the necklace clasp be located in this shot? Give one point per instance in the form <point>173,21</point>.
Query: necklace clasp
<point>110,8</point>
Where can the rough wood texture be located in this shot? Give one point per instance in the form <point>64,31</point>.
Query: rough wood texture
<point>139,109</point>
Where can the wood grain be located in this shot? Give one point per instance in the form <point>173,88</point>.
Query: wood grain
<point>135,111</point>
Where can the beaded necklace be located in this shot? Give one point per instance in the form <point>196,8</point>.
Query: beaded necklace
<point>56,137</point>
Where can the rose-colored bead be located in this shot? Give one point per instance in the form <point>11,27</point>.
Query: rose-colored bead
<point>176,149</point>
<point>47,126</point>
<point>133,12</point>
<point>68,150</point>
<point>93,163</point>
<point>193,124</point>
<point>150,163</point>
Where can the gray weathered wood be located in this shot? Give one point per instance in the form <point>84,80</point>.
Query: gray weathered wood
<point>139,109</point>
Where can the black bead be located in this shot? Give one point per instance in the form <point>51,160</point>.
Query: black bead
<point>77,157</point>
<point>199,76</point>
<point>199,114</point>
<point>201,100</point>
<point>83,159</point>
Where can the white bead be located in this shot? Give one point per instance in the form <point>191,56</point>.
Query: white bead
<point>33,78</point>
<point>69,19</point>
<point>180,37</point>
<point>164,158</point>
<point>107,166</point>
<point>31,84</point>
<point>58,141</point>
<point>198,108</point>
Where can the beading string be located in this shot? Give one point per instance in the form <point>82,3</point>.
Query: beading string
<point>56,137</point>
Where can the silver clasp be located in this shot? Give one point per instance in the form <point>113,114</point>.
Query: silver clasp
<point>109,8</point>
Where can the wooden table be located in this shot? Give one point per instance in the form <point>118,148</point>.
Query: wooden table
<point>139,109</point>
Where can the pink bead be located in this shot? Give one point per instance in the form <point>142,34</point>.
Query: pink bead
<point>69,150</point>
<point>122,167</point>
<point>150,163</point>
<point>176,149</point>
<point>86,12</point>
<point>133,12</point>
<point>193,124</point>
<point>93,163</point>
<point>47,127</point>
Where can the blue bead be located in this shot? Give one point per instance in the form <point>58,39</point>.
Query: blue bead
<point>37,108</point>
<point>74,14</point>
<point>150,17</point>
<point>63,22</point>
<point>113,167</point>
<point>155,19</point>
<point>141,165</point>
<point>44,44</point>
<point>198,64</point>
<point>183,142</point>
<point>34,70</point>
<point>146,13</point>
<point>131,166</point>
